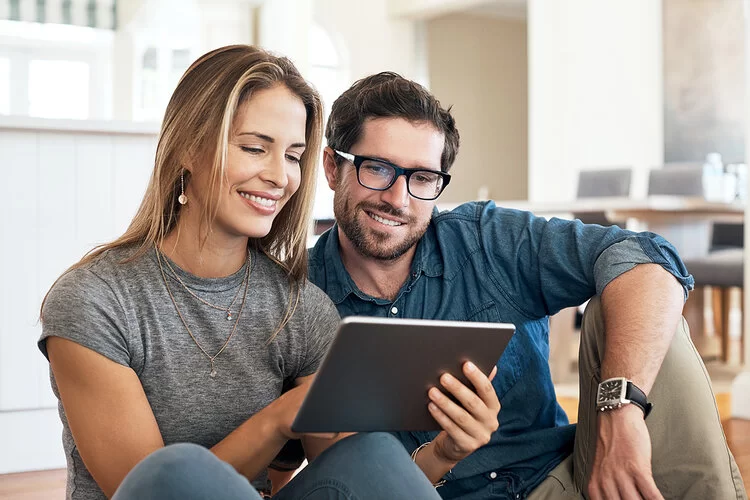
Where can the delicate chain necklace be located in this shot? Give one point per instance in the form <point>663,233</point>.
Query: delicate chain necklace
<point>211,359</point>
<point>227,309</point>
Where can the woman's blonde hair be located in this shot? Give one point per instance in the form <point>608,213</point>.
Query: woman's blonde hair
<point>197,127</point>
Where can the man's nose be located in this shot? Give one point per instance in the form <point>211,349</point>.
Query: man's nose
<point>398,194</point>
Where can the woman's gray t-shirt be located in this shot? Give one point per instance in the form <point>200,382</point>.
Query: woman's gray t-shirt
<point>124,312</point>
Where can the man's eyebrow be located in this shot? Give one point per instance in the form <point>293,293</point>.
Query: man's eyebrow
<point>270,139</point>
<point>418,167</point>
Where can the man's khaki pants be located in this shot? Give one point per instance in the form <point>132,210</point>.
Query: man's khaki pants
<point>690,457</point>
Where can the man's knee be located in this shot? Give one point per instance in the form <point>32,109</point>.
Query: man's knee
<point>592,315</point>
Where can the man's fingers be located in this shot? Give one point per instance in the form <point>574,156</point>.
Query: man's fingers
<point>482,385</point>
<point>456,433</point>
<point>647,488</point>
<point>626,488</point>
<point>608,491</point>
<point>469,401</point>
<point>493,373</point>
<point>457,413</point>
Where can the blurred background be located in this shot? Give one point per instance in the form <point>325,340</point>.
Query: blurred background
<point>625,111</point>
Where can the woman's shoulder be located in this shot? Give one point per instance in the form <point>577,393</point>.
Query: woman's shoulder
<point>108,269</point>
<point>314,294</point>
<point>85,306</point>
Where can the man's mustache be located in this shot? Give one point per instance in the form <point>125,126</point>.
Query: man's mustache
<point>386,209</point>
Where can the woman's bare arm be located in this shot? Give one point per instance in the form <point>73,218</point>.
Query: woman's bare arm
<point>107,410</point>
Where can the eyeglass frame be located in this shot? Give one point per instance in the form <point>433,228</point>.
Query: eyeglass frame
<point>357,161</point>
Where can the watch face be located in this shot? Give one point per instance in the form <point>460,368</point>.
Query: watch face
<point>610,391</point>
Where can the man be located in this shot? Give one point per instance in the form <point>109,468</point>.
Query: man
<point>390,147</point>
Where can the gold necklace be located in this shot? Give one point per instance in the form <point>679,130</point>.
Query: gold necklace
<point>227,309</point>
<point>211,359</point>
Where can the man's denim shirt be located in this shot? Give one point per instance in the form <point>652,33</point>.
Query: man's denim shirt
<point>479,262</point>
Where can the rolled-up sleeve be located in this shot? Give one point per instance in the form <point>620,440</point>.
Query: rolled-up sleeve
<point>640,248</point>
<point>542,266</point>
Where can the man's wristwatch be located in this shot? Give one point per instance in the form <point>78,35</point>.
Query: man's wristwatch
<point>616,392</point>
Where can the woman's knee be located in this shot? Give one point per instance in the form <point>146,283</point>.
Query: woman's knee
<point>374,446</point>
<point>179,458</point>
<point>172,470</point>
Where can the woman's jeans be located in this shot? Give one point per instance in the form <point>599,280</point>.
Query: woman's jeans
<point>363,466</point>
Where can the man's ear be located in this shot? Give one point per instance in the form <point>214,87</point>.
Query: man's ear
<point>329,165</point>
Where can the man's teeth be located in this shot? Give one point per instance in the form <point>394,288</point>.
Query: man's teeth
<point>257,199</point>
<point>385,221</point>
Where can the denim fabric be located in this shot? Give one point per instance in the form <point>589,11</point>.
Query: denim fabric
<point>368,466</point>
<point>480,262</point>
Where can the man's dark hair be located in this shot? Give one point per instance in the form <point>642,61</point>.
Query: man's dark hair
<point>389,95</point>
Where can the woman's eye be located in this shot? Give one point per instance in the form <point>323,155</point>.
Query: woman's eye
<point>250,149</point>
<point>293,158</point>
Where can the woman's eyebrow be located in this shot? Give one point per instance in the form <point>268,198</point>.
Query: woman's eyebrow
<point>269,139</point>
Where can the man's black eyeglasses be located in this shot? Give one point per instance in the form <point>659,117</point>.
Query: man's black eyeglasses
<point>380,175</point>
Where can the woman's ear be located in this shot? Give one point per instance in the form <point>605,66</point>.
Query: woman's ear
<point>329,165</point>
<point>188,162</point>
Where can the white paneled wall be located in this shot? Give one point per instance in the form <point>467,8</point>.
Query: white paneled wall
<point>64,188</point>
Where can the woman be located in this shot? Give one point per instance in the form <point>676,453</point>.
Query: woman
<point>197,325</point>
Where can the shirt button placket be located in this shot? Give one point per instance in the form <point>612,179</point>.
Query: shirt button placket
<point>394,311</point>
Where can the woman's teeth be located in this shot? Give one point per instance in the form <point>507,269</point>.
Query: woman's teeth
<point>266,202</point>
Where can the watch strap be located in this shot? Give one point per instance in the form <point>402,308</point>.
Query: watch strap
<point>638,398</point>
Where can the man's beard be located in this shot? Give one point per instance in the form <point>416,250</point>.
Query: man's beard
<point>374,244</point>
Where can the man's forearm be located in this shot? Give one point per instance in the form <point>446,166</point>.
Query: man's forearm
<point>641,309</point>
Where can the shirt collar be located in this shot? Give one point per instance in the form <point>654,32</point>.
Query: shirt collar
<point>339,284</point>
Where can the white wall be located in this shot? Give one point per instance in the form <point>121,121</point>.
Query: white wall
<point>286,34</point>
<point>67,186</point>
<point>374,39</point>
<point>595,91</point>
<point>478,65</point>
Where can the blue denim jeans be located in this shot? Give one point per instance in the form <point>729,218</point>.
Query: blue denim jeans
<point>363,466</point>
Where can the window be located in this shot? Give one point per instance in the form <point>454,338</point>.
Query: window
<point>181,59</point>
<point>59,89</point>
<point>329,74</point>
<point>160,70</point>
<point>149,106</point>
<point>58,71</point>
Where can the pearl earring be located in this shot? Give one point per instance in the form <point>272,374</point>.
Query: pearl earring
<point>182,198</point>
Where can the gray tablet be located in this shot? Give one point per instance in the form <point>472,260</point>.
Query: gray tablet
<point>377,372</point>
